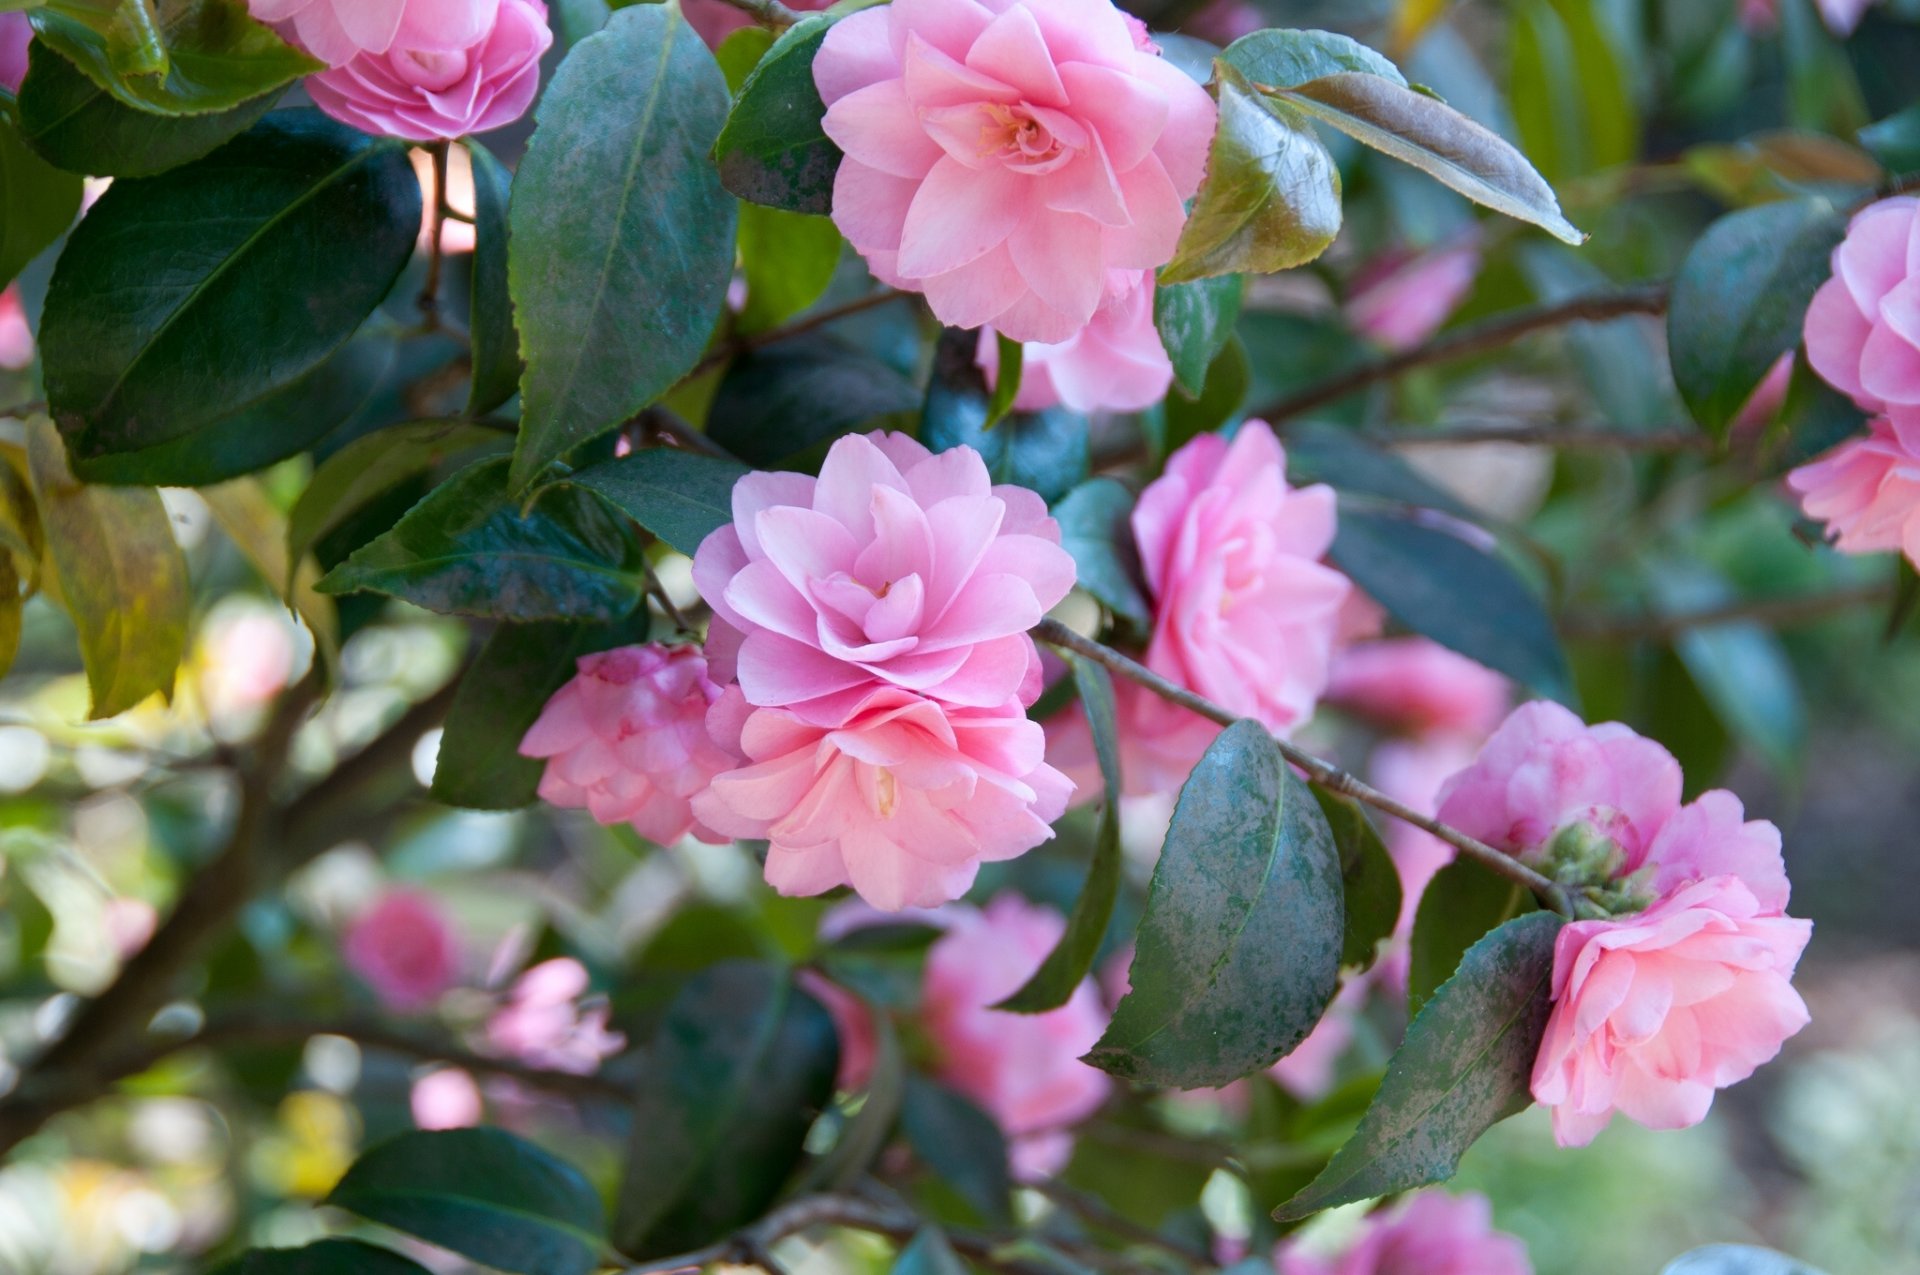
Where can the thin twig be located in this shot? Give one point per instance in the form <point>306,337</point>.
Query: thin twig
<point>1566,438</point>
<point>811,323</point>
<point>1772,612</point>
<point>436,221</point>
<point>1323,773</point>
<point>1095,1212</point>
<point>768,13</point>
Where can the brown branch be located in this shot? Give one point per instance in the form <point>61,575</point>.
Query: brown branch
<point>1775,613</point>
<point>1094,1212</point>
<point>1566,438</point>
<point>437,219</point>
<point>1493,334</point>
<point>768,13</point>
<point>811,323</point>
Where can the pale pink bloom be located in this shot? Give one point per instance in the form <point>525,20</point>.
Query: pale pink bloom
<point>546,1023</point>
<point>246,659</point>
<point>130,923</point>
<point>446,1098</point>
<point>1308,1071</point>
<point>1023,1069</point>
<point>336,31</point>
<point>1403,298</point>
<point>427,94</point>
<point>715,20</point>
<point>1116,363</point>
<point>1415,686</point>
<point>1863,328</point>
<point>627,740</point>
<point>16,33</point>
<point>1653,1012</point>
<point>404,948</point>
<point>896,567</point>
<point>1867,490</point>
<point>1766,400</point>
<point>852,1023</point>
<point>1003,157</point>
<point>1842,16</point>
<point>903,800</point>
<point>1428,1233</point>
<point>16,335</point>
<point>456,236</point>
<point>1759,17</point>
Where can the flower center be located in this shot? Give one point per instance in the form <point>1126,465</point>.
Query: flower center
<point>886,792</point>
<point>1018,137</point>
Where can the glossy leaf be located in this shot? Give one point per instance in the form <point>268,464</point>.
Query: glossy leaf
<point>1895,140</point>
<point>929,1253</point>
<point>962,1145</point>
<point>495,345</point>
<point>1223,399</point>
<point>1440,141</point>
<point>37,202</point>
<point>740,1066</point>
<point>1370,881</point>
<point>615,296</point>
<point>1324,453</point>
<point>470,548</point>
<point>323,1257</point>
<point>1239,951</point>
<point>866,1133</point>
<point>1461,905</point>
<point>681,497</point>
<point>1437,584</point>
<point>788,260</point>
<point>773,150</point>
<point>1736,1259</point>
<point>1741,298</point>
<point>1281,58</point>
<point>1271,198</point>
<point>122,577</point>
<point>1096,528</point>
<point>1814,417</point>
<point>1463,1067</point>
<point>483,1193</point>
<point>168,307</point>
<point>1195,321</point>
<point>215,57</point>
<point>1009,370</point>
<point>786,400</point>
<point>1045,451</point>
<point>516,673</point>
<point>1071,960</point>
<point>1741,667</point>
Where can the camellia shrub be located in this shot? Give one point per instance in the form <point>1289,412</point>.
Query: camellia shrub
<point>1159,610</point>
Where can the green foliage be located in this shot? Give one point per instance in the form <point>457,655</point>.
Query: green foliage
<point>1370,881</point>
<point>323,1257</point>
<point>780,404</point>
<point>1461,905</point>
<point>37,203</point>
<point>1280,59</point>
<point>772,150</point>
<point>1045,451</point>
<point>1095,529</point>
<point>204,56</point>
<point>962,1146</point>
<point>929,1253</point>
<point>495,344</point>
<point>681,497</point>
<point>1195,321</point>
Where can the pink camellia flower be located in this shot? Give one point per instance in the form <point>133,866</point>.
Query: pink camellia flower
<point>1403,298</point>
<point>1867,490</point>
<point>405,949</point>
<point>16,334</point>
<point>16,33</point>
<point>715,20</point>
<point>446,1098</point>
<point>1653,1012</point>
<point>1003,157</point>
<point>627,740</point>
<point>1428,1233</point>
<point>1761,17</point>
<point>1023,1069</point>
<point>903,799</point>
<point>852,1023</point>
<point>432,93</point>
<point>337,31</point>
<point>1116,363</point>
<point>1863,328</point>
<point>1307,1072</point>
<point>1415,686</point>
<point>545,1022</point>
<point>1768,397</point>
<point>895,568</point>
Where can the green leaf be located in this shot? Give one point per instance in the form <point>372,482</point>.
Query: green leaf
<point>1440,141</point>
<point>325,1257</point>
<point>1271,198</point>
<point>1095,528</point>
<point>788,259</point>
<point>681,497</point>
<point>1370,881</point>
<point>37,202</point>
<point>1572,103</point>
<point>169,305</point>
<point>1220,402</point>
<point>1463,1067</point>
<point>865,1136</point>
<point>1288,1143</point>
<point>1741,668</point>
<point>616,295</point>
<point>1461,905</point>
<point>1323,453</point>
<point>1071,960</point>
<point>11,606</point>
<point>496,346</point>
<point>1437,584</point>
<point>470,549</point>
<point>1045,451</point>
<point>1895,140</point>
<point>76,125</point>
<point>483,1193</point>
<point>1239,951</point>
<point>962,1145</point>
<point>778,404</point>
<point>740,52</point>
<point>1815,417</point>
<point>740,1066</point>
<point>1282,58</point>
<point>499,699</point>
<point>1741,298</point>
<point>216,57</point>
<point>773,150</point>
<point>367,468</point>
<point>1736,1259</point>
<point>929,1253</point>
<point>1008,371</point>
<point>122,577</point>
<point>1195,321</point>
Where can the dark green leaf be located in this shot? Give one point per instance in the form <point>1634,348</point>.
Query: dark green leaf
<point>1281,58</point>
<point>788,260</point>
<point>37,202</point>
<point>780,403</point>
<point>1440,141</point>
<point>1572,100</point>
<point>1815,417</point>
<point>1195,321</point>
<point>1239,951</point>
<point>496,346</point>
<point>501,696</point>
<point>1371,882</point>
<point>1096,528</point>
<point>1323,453</point>
<point>11,605</point>
<point>1271,198</point>
<point>1736,1259</point>
<point>1044,451</point>
<point>740,52</point>
<point>1071,960</point>
<point>169,305</point>
<point>882,963</point>
<point>1463,1067</point>
<point>1740,667</point>
<point>962,1145</point>
<point>1620,360</point>
<point>483,1193</point>
<point>772,150</point>
<point>470,549</point>
<point>866,1134</point>
<point>1461,905</point>
<point>929,1253</point>
<point>1437,584</point>
<point>681,497</point>
<point>1895,140</point>
<point>1146,1178</point>
<point>1009,368</point>
<point>1740,301</point>
<point>1222,401</point>
<point>616,296</point>
<point>216,57</point>
<point>738,1070</point>
<point>326,1257</point>
<point>1288,1143</point>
